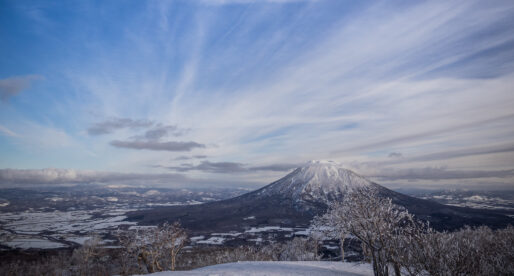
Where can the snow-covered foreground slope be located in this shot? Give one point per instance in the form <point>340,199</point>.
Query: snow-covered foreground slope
<point>278,268</point>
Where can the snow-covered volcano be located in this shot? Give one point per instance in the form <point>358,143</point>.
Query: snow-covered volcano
<point>320,181</point>
<point>296,198</point>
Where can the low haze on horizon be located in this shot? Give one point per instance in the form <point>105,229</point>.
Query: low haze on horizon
<point>412,94</point>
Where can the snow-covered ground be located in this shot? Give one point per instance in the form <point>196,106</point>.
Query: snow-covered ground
<point>46,230</point>
<point>278,268</point>
<point>26,243</point>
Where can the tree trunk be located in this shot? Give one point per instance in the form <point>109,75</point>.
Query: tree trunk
<point>342,249</point>
<point>397,271</point>
<point>374,263</point>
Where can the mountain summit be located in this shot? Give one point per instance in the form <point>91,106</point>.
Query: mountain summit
<point>320,181</point>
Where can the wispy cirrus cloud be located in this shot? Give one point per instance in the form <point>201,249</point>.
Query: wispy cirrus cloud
<point>473,151</point>
<point>7,132</point>
<point>277,82</point>
<point>439,173</point>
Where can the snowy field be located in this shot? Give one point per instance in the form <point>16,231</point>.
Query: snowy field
<point>47,230</point>
<point>278,268</point>
<point>254,234</point>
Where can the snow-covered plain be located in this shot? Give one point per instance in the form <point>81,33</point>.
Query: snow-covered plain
<point>46,230</point>
<point>27,243</point>
<point>40,228</point>
<point>278,268</point>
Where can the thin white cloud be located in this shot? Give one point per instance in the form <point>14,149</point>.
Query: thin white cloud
<point>438,174</point>
<point>7,132</point>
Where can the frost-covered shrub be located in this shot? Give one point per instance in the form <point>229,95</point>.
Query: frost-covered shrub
<point>479,251</point>
<point>300,249</point>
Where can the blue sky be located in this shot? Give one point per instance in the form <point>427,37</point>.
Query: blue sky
<point>238,92</point>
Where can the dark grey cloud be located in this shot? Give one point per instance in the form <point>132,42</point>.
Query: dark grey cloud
<point>230,167</point>
<point>159,132</point>
<point>439,173</point>
<point>150,140</point>
<point>276,167</point>
<point>395,155</point>
<point>155,145</point>
<point>111,125</point>
<point>183,157</point>
<point>9,87</point>
<point>212,167</point>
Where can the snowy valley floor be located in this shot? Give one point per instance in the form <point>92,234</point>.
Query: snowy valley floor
<point>278,268</point>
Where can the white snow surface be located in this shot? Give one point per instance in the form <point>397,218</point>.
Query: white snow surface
<point>27,243</point>
<point>268,228</point>
<point>213,240</point>
<point>277,268</point>
<point>317,180</point>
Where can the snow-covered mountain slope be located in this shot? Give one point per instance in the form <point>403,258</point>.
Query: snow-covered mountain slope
<point>320,181</point>
<point>278,268</point>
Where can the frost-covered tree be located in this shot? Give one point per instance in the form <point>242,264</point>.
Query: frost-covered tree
<point>329,226</point>
<point>87,257</point>
<point>152,248</point>
<point>172,238</point>
<point>375,221</point>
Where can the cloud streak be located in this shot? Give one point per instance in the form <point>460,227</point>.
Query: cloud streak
<point>505,148</point>
<point>183,157</point>
<point>231,167</point>
<point>7,132</point>
<point>109,126</point>
<point>158,146</point>
<point>439,173</point>
<point>12,86</point>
